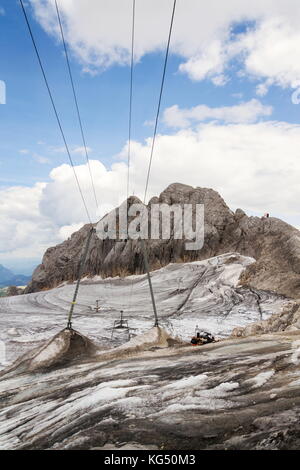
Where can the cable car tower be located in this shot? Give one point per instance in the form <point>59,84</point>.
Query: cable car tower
<point>121,324</point>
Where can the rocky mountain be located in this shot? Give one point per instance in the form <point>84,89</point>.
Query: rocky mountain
<point>5,274</point>
<point>274,244</point>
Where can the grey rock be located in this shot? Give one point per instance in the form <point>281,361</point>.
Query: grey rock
<point>287,320</point>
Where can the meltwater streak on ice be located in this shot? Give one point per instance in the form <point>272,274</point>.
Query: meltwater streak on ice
<point>205,293</point>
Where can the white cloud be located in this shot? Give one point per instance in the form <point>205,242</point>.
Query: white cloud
<point>253,166</point>
<point>272,51</point>
<point>210,63</point>
<point>2,11</point>
<point>81,150</point>
<point>242,113</point>
<point>242,161</point>
<point>40,159</point>
<point>220,80</point>
<point>149,123</point>
<point>34,218</point>
<point>206,41</point>
<point>61,200</point>
<point>60,149</point>
<point>267,52</point>
<point>66,231</point>
<point>263,88</point>
<point>24,231</point>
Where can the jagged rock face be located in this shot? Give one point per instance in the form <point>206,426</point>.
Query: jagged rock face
<point>273,243</point>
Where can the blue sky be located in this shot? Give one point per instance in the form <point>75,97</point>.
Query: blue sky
<point>31,146</point>
<point>28,123</point>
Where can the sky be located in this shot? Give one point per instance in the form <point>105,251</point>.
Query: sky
<point>230,113</point>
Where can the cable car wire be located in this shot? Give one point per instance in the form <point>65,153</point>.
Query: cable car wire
<point>76,102</point>
<point>54,108</point>
<point>130,94</point>
<point>159,100</point>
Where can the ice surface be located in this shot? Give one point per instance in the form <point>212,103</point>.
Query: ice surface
<point>52,350</point>
<point>296,355</point>
<point>261,378</point>
<point>183,396</point>
<point>203,293</point>
<point>191,381</point>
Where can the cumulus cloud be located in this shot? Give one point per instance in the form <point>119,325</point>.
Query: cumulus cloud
<point>66,231</point>
<point>208,63</point>
<point>24,231</point>
<point>34,218</point>
<point>272,51</point>
<point>206,41</point>
<point>246,163</point>
<point>252,164</point>
<point>242,113</point>
<point>61,199</point>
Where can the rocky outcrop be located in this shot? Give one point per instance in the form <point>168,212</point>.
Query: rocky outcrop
<point>14,290</point>
<point>287,320</point>
<point>274,244</point>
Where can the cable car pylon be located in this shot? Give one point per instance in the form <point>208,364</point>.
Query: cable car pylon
<point>146,263</point>
<point>80,272</point>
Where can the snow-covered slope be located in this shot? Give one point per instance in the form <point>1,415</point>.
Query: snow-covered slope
<point>236,394</point>
<point>203,293</point>
<point>154,391</point>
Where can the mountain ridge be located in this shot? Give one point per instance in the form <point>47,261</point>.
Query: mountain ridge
<point>274,244</point>
<point>8,278</point>
<point>5,273</point>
